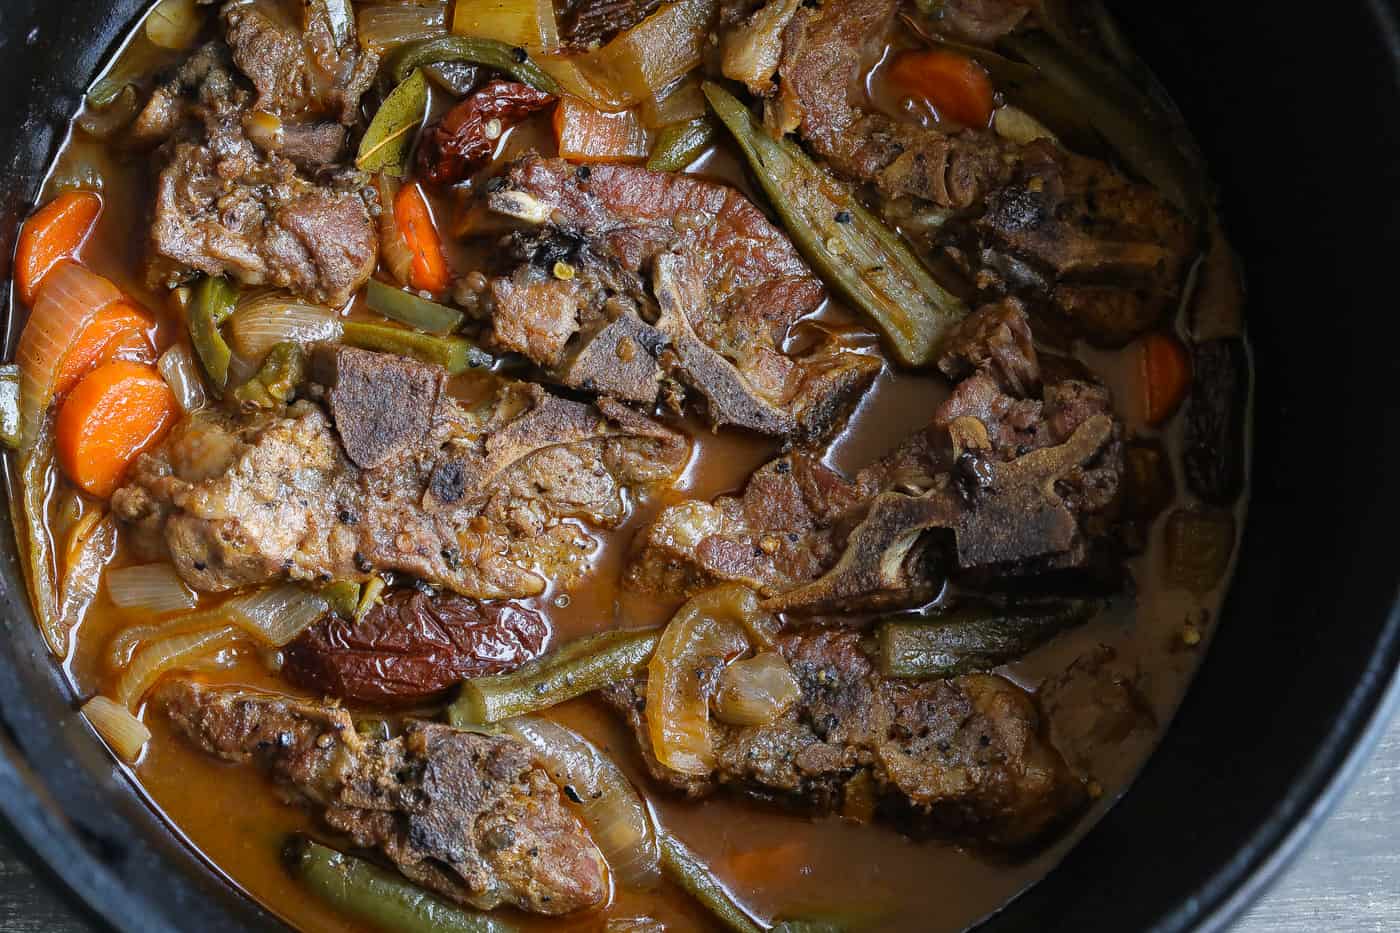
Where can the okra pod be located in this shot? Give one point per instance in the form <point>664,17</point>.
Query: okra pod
<point>211,304</point>
<point>579,667</point>
<point>454,354</point>
<point>489,52</point>
<point>407,308</point>
<point>680,144</point>
<point>972,640</point>
<point>855,253</point>
<point>687,871</point>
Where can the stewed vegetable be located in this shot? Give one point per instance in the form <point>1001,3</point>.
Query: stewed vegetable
<point>626,465</point>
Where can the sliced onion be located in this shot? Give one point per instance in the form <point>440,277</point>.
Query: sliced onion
<point>269,319</point>
<point>1018,126</point>
<point>679,102</point>
<point>125,642</point>
<point>177,652</point>
<point>123,732</point>
<point>707,631</point>
<point>92,543</point>
<point>180,372</point>
<point>617,816</point>
<point>276,615</point>
<point>529,24</point>
<point>153,587</point>
<point>393,248</point>
<point>385,28</point>
<point>69,299</point>
<point>642,62</point>
<point>174,24</point>
<point>36,476</point>
<point>756,691</point>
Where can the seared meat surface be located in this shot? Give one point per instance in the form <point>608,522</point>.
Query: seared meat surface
<point>226,205</point>
<point>1066,231</point>
<point>1021,481</point>
<point>302,58</point>
<point>728,288</point>
<point>483,503</point>
<point>965,758</point>
<point>468,816</point>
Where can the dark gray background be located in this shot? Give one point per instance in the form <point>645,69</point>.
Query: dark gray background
<point>1346,881</point>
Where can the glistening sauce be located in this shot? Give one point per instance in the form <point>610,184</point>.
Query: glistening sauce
<point>776,862</point>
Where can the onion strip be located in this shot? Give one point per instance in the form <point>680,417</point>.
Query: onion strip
<point>91,545</point>
<point>124,733</point>
<point>161,657</point>
<point>70,298</point>
<point>393,248</point>
<point>259,325</point>
<point>181,373</point>
<point>276,615</point>
<point>150,587</point>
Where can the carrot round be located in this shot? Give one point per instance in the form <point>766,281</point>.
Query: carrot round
<point>957,87</point>
<point>114,414</point>
<point>115,328</point>
<point>57,231</point>
<point>1165,369</point>
<point>429,270</point>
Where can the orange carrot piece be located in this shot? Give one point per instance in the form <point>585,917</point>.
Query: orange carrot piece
<point>117,412</point>
<point>1165,368</point>
<point>56,232</point>
<point>589,135</point>
<point>429,271</point>
<point>118,327</point>
<point>957,87</point>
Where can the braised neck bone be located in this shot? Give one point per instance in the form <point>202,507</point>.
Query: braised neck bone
<point>1011,514</point>
<point>467,816</point>
<point>486,503</point>
<point>729,286</point>
<point>965,758</point>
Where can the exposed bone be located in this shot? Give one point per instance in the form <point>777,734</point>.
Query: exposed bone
<point>1016,516</point>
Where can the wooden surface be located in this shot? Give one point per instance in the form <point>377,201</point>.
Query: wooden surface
<point>1348,880</point>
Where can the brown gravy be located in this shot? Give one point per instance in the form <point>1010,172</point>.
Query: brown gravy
<point>776,863</point>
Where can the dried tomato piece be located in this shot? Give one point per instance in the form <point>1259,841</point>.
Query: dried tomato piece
<point>413,646</point>
<point>464,139</point>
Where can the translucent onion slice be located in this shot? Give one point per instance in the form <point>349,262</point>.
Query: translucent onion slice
<point>276,615</point>
<point>178,652</point>
<point>616,814</point>
<point>529,24</point>
<point>641,63</point>
<point>181,373</point>
<point>707,630</point>
<point>153,587</point>
<point>393,249</point>
<point>385,28</point>
<point>174,24</point>
<point>123,732</point>
<point>756,691</point>
<point>267,320</point>
<point>125,642</point>
<point>91,545</point>
<point>68,301</point>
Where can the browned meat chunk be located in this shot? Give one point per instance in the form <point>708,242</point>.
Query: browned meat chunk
<point>1114,251</point>
<point>311,66</point>
<point>965,758</point>
<point>1065,231</point>
<point>381,405</point>
<point>1026,485</point>
<point>413,646</point>
<point>467,816</point>
<point>823,55</point>
<point>487,504</point>
<point>728,287</point>
<point>587,24</point>
<point>225,206</point>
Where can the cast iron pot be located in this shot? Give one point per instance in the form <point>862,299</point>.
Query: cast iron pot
<point>1301,674</point>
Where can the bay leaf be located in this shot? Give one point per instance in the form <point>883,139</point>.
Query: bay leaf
<point>388,142</point>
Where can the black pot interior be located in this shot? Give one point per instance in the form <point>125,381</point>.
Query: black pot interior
<point>1307,646</point>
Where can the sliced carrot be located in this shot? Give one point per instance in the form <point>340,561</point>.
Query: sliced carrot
<point>955,85</point>
<point>118,411</point>
<point>1165,367</point>
<point>57,231</point>
<point>589,135</point>
<point>117,328</point>
<point>429,271</point>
